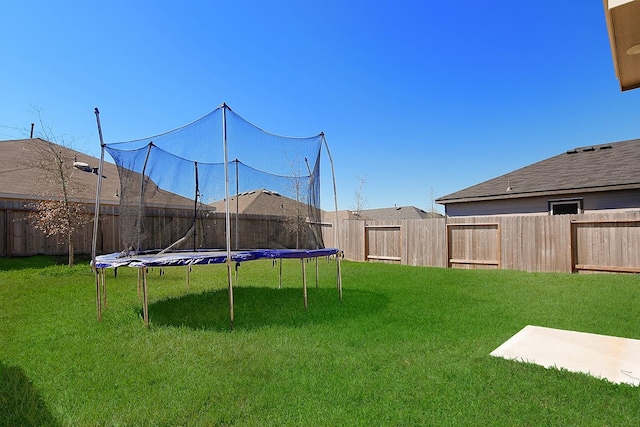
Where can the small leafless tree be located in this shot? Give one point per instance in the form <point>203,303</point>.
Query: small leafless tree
<point>58,212</point>
<point>360,199</point>
<point>433,210</point>
<point>295,222</point>
<point>295,214</point>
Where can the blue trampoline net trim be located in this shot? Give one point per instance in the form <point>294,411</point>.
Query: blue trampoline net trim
<point>173,196</point>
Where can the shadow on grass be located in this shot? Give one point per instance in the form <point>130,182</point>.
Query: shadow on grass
<point>256,307</point>
<point>20,402</point>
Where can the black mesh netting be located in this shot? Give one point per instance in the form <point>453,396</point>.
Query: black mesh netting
<point>173,195</point>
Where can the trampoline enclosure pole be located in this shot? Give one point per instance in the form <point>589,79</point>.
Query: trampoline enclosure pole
<point>337,231</point>
<point>195,209</point>
<point>141,206</point>
<point>226,208</point>
<point>237,203</point>
<point>96,218</point>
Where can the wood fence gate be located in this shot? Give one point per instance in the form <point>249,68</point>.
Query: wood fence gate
<point>473,244</point>
<point>606,245</point>
<point>383,243</point>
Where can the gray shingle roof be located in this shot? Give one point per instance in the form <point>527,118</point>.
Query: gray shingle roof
<point>261,202</point>
<point>614,166</point>
<point>397,213</point>
<point>21,179</point>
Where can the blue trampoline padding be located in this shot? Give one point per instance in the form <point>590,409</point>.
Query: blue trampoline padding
<point>213,256</point>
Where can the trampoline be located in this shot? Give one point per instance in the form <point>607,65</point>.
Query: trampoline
<point>149,259</point>
<point>183,202</point>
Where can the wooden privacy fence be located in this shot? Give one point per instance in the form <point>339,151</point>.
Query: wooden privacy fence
<point>19,237</point>
<point>411,242</point>
<point>558,243</point>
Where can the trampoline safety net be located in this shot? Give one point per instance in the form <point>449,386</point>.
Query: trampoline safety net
<point>176,188</point>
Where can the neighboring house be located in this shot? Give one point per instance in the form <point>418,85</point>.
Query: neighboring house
<point>266,202</point>
<point>581,180</point>
<point>262,202</point>
<point>397,213</point>
<point>341,215</point>
<point>22,183</point>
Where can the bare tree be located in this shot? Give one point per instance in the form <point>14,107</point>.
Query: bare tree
<point>294,221</point>
<point>360,199</point>
<point>58,212</point>
<point>433,209</point>
<point>295,214</point>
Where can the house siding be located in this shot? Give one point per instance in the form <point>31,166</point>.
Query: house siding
<point>614,200</point>
<point>624,200</point>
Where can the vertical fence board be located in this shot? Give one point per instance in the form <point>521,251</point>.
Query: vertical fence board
<point>423,242</point>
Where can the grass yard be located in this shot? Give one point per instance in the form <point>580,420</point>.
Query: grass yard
<point>407,346</point>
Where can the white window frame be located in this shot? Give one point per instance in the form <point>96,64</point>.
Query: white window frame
<point>575,201</point>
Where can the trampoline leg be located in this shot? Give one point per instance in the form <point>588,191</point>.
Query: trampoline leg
<point>98,296</point>
<point>236,274</point>
<point>316,272</point>
<point>145,295</point>
<point>339,276</point>
<point>103,276</point>
<point>304,282</point>
<point>230,284</point>
<point>188,275</point>
<point>280,280</point>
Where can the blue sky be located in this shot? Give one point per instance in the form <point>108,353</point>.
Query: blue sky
<point>417,97</point>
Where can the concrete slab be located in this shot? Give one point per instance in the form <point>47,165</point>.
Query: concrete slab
<point>613,358</point>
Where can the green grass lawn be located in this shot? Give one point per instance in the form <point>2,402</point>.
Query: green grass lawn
<point>407,346</point>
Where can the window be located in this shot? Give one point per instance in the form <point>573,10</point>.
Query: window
<point>565,206</point>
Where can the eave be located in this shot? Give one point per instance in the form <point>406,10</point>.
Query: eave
<point>623,27</point>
